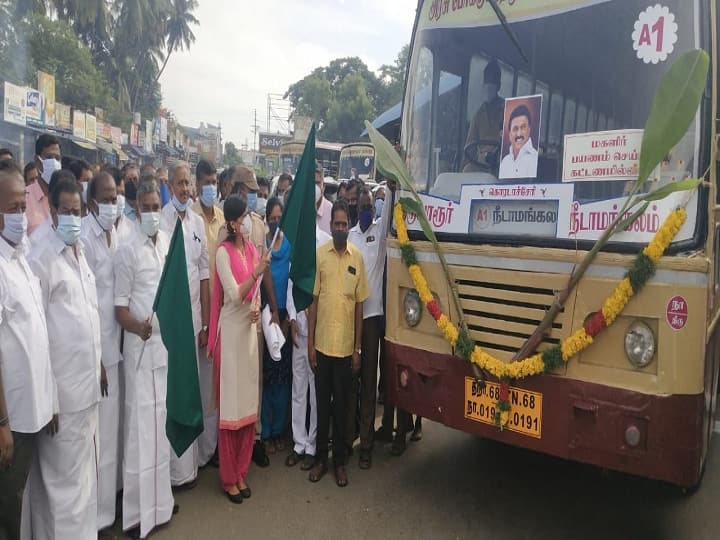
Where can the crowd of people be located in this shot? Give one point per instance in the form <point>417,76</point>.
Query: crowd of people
<point>83,368</point>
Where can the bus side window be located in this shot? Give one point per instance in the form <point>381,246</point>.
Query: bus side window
<point>524,84</point>
<point>544,89</point>
<point>569,117</point>
<point>582,114</point>
<point>556,114</point>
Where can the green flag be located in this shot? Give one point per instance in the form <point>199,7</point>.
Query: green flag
<point>298,226</point>
<point>174,311</point>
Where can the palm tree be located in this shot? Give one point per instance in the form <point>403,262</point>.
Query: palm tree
<point>179,34</point>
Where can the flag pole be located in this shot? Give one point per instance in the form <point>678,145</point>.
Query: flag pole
<point>142,351</point>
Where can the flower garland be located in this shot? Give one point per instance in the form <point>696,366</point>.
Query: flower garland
<point>641,270</point>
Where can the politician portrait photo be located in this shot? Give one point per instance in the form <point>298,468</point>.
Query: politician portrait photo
<point>521,133</point>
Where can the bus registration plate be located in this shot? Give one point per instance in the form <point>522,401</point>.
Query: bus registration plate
<point>525,407</point>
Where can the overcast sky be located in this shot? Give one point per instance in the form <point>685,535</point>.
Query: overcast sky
<point>245,50</point>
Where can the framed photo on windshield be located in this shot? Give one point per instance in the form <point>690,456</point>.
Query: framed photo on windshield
<point>520,139</point>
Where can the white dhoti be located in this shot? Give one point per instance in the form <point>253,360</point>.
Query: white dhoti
<point>207,442</point>
<point>184,469</point>
<point>303,382</point>
<point>109,429</point>
<point>147,495</point>
<point>62,486</point>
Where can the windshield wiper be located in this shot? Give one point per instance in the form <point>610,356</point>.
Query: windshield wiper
<point>503,21</point>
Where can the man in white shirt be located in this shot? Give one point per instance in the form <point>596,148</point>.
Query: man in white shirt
<point>28,397</point>
<point>304,432</point>
<point>100,241</point>
<point>324,207</point>
<point>522,159</point>
<point>63,478</point>
<point>369,237</point>
<point>147,494</point>
<point>183,469</point>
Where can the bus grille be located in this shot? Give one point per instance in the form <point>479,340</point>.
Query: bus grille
<point>502,308</point>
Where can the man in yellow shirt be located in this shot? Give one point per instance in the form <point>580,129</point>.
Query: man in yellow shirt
<point>214,220</point>
<point>334,337</point>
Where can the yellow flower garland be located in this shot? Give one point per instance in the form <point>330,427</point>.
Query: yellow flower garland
<point>571,346</point>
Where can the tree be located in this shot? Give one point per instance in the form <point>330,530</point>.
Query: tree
<point>179,34</point>
<point>232,155</point>
<point>345,93</point>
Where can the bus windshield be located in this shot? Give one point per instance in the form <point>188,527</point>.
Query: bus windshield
<point>544,151</point>
<point>357,161</point>
<point>289,157</point>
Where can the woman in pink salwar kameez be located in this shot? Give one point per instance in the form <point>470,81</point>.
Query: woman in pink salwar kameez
<point>233,347</point>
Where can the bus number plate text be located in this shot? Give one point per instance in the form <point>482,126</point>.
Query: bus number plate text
<point>525,407</point>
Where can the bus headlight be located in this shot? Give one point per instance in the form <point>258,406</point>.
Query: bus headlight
<point>639,344</point>
<point>412,308</point>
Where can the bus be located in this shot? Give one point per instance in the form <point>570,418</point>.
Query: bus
<point>357,160</point>
<point>585,73</point>
<point>328,154</point>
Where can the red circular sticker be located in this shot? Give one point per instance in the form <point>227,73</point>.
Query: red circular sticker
<point>677,313</point>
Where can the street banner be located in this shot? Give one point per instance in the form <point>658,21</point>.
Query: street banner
<point>46,85</point>
<point>163,129</point>
<point>116,136</point>
<point>91,127</point>
<point>34,107</point>
<point>79,124</point>
<point>14,106</point>
<point>148,136</point>
<point>134,134</point>
<point>63,117</point>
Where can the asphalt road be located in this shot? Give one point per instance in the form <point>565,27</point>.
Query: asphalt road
<point>452,485</point>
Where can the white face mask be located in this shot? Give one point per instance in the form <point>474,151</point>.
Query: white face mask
<point>84,191</point>
<point>150,223</point>
<point>15,227</point>
<point>49,167</point>
<point>318,194</point>
<point>246,226</point>
<point>107,214</point>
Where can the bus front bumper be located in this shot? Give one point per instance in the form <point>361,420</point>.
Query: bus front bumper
<point>653,436</point>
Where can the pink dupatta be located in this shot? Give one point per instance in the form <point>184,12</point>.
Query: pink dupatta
<point>241,271</point>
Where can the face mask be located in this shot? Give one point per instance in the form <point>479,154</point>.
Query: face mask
<point>208,195</point>
<point>84,191</point>
<point>339,238</point>
<point>150,223</point>
<point>379,207</point>
<point>120,205</point>
<point>49,167</point>
<point>68,229</point>
<point>130,213</point>
<point>252,199</point>
<point>180,207</point>
<point>246,226</point>
<point>15,227</point>
<point>107,214</point>
<point>318,194</point>
<point>261,206</point>
<point>273,228</point>
<point>365,218</point>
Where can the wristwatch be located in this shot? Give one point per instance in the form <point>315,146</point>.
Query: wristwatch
<point>359,351</point>
<point>204,328</point>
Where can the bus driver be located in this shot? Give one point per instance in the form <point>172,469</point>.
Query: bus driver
<point>486,125</point>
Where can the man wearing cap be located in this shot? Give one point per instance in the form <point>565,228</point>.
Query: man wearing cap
<point>324,207</point>
<point>487,124</point>
<point>246,186</point>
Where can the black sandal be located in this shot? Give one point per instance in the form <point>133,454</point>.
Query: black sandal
<point>293,459</point>
<point>317,472</point>
<point>365,461</point>
<point>341,478</point>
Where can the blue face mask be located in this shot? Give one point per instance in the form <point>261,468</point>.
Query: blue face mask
<point>208,195</point>
<point>365,218</point>
<point>273,228</point>
<point>180,207</point>
<point>252,201</point>
<point>130,213</point>
<point>379,207</point>
<point>68,229</point>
